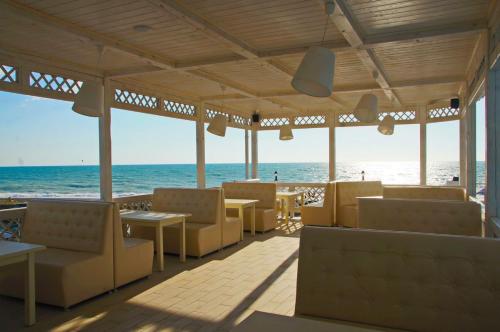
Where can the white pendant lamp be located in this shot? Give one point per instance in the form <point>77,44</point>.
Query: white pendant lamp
<point>314,77</point>
<point>315,74</point>
<point>286,133</point>
<point>90,99</point>
<point>386,126</point>
<point>218,125</point>
<point>367,109</point>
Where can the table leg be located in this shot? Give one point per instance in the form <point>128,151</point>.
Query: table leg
<point>29,300</point>
<point>159,247</point>
<point>240,216</point>
<point>182,252</point>
<point>252,219</point>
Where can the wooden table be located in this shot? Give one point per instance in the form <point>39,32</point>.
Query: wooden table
<point>263,322</point>
<point>241,204</point>
<point>16,252</point>
<point>287,201</point>
<point>158,220</point>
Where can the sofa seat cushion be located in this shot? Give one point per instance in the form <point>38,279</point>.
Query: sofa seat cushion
<point>347,216</point>
<point>136,261</point>
<point>265,219</point>
<point>231,231</point>
<point>63,277</point>
<point>201,239</point>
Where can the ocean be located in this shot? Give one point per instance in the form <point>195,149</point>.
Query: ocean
<point>83,181</point>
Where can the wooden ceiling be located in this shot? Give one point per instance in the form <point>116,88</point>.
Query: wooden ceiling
<point>406,52</point>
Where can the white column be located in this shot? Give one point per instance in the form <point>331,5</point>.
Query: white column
<point>471,149</point>
<point>423,154</point>
<point>463,151</point>
<point>105,163</point>
<point>200,146</point>
<point>255,153</point>
<point>493,142</point>
<point>331,149</point>
<point>247,164</point>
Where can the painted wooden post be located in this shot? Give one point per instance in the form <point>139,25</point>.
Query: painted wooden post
<point>200,146</point>
<point>331,149</point>
<point>493,142</point>
<point>423,154</point>
<point>105,163</point>
<point>255,153</point>
<point>471,150</point>
<point>463,151</point>
<point>247,166</point>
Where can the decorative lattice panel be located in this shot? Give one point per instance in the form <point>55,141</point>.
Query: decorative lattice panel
<point>408,115</point>
<point>136,99</point>
<point>179,108</point>
<point>10,228</point>
<point>54,83</point>
<point>240,121</point>
<point>312,193</point>
<point>442,113</point>
<point>347,118</point>
<point>210,113</point>
<point>310,120</point>
<point>274,122</point>
<point>8,74</point>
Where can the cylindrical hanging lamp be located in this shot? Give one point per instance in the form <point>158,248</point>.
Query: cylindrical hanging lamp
<point>90,99</point>
<point>367,109</point>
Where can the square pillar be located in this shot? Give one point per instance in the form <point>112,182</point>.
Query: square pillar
<point>423,154</point>
<point>200,146</point>
<point>463,150</point>
<point>471,182</point>
<point>255,153</point>
<point>331,149</point>
<point>492,142</point>
<point>247,161</point>
<point>105,163</point>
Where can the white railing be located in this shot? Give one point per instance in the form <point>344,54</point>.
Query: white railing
<point>11,222</point>
<point>136,202</point>
<point>313,192</point>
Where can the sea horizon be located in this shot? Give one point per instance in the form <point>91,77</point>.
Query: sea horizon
<point>132,179</point>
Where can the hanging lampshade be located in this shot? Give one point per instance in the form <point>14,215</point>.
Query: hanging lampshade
<point>218,125</point>
<point>90,99</point>
<point>367,108</point>
<point>286,133</point>
<point>314,77</point>
<point>386,126</point>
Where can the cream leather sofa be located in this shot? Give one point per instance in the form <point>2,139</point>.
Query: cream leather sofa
<point>420,215</point>
<point>265,209</point>
<point>321,213</point>
<point>78,261</point>
<point>401,280</point>
<point>425,192</point>
<point>207,230</point>
<point>347,193</point>
<point>133,258</point>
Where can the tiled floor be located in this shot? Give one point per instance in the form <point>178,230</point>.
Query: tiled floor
<point>209,294</point>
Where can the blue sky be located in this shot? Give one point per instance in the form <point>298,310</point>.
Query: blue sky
<point>38,131</point>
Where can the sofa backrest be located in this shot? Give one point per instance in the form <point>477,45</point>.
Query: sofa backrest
<point>203,204</point>
<point>71,225</point>
<point>264,192</point>
<point>347,192</point>
<point>411,281</point>
<point>425,192</point>
<point>417,215</point>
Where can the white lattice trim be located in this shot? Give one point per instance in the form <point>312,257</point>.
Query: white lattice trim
<point>179,108</point>
<point>54,83</point>
<point>435,114</point>
<point>240,121</point>
<point>347,118</point>
<point>310,120</point>
<point>8,74</point>
<point>274,122</point>
<point>211,113</point>
<point>402,116</point>
<point>136,99</point>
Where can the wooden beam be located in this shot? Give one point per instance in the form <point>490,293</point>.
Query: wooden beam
<point>346,24</point>
<point>131,71</point>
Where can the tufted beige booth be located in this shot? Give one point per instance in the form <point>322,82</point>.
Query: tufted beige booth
<point>410,281</point>
<point>133,258</point>
<point>347,193</point>
<point>207,230</point>
<point>321,213</point>
<point>425,192</point>
<point>78,261</point>
<point>265,209</point>
<point>417,215</point>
